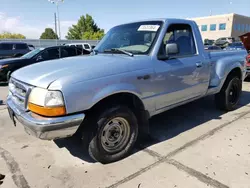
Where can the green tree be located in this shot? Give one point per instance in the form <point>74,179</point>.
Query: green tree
<point>86,28</point>
<point>49,34</point>
<point>88,35</point>
<point>8,35</point>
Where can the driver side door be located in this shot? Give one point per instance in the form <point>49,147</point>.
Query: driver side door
<point>182,76</point>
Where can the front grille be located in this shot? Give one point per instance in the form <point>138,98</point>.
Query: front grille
<point>19,93</point>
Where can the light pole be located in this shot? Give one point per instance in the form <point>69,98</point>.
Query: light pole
<point>57,9</point>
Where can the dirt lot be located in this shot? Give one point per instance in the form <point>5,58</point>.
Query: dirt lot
<point>191,146</point>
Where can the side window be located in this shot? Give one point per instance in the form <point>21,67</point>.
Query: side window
<point>86,47</point>
<point>182,35</point>
<point>239,27</point>
<point>242,27</point>
<point>21,46</point>
<point>235,27</point>
<point>50,54</point>
<point>5,46</point>
<point>79,46</point>
<point>79,51</point>
<point>212,27</point>
<point>222,26</point>
<point>204,28</point>
<point>68,52</point>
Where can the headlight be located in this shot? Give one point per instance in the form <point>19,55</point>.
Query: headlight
<point>47,103</point>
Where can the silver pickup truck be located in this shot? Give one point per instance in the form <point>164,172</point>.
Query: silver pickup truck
<point>137,70</point>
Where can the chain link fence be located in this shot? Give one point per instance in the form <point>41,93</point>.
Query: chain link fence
<point>46,43</point>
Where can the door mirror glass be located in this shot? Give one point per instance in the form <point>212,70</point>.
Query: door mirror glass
<point>171,49</point>
<point>39,58</point>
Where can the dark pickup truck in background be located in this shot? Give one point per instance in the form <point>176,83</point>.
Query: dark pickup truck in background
<point>13,49</point>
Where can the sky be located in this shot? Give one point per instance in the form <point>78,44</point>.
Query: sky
<point>31,17</point>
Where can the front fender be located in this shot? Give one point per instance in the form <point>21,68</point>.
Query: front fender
<point>114,89</point>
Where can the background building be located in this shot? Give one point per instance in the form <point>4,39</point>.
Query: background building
<point>227,25</point>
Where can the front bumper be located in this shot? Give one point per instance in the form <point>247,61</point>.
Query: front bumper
<point>47,128</point>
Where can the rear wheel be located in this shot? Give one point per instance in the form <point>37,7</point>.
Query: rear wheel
<point>229,95</point>
<point>114,136</point>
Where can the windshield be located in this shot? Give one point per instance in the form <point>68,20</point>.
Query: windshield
<point>32,53</point>
<point>137,38</point>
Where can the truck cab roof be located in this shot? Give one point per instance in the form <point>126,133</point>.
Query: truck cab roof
<point>177,20</point>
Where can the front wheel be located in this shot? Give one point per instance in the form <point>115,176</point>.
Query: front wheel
<point>115,135</point>
<point>229,95</point>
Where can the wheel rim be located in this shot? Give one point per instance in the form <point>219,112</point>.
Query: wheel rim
<point>234,94</point>
<point>115,135</point>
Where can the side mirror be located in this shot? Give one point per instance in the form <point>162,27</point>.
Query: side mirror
<point>172,49</point>
<point>39,58</point>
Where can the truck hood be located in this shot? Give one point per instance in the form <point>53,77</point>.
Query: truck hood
<point>76,69</point>
<point>246,41</point>
<point>10,61</point>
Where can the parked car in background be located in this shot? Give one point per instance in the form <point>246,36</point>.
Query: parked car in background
<point>209,42</point>
<point>85,46</point>
<point>31,47</point>
<point>212,47</point>
<point>138,70</point>
<point>13,49</point>
<point>235,46</point>
<point>224,41</point>
<point>7,66</point>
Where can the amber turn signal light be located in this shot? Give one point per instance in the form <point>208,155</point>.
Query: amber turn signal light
<point>47,111</point>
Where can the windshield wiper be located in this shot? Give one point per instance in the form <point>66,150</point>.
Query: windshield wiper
<point>120,50</point>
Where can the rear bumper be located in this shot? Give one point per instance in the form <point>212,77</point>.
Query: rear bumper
<point>47,128</point>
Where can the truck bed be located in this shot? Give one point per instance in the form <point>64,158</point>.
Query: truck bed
<point>215,55</point>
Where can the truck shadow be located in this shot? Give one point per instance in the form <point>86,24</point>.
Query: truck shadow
<point>166,125</point>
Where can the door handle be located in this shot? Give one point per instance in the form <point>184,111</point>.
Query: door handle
<point>199,64</point>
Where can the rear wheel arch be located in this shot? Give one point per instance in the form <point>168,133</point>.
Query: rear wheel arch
<point>231,87</point>
<point>235,72</point>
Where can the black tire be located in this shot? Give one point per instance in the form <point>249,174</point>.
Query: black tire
<point>104,124</point>
<point>229,96</point>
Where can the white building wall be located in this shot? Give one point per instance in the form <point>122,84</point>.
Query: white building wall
<point>241,25</point>
<point>220,19</point>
